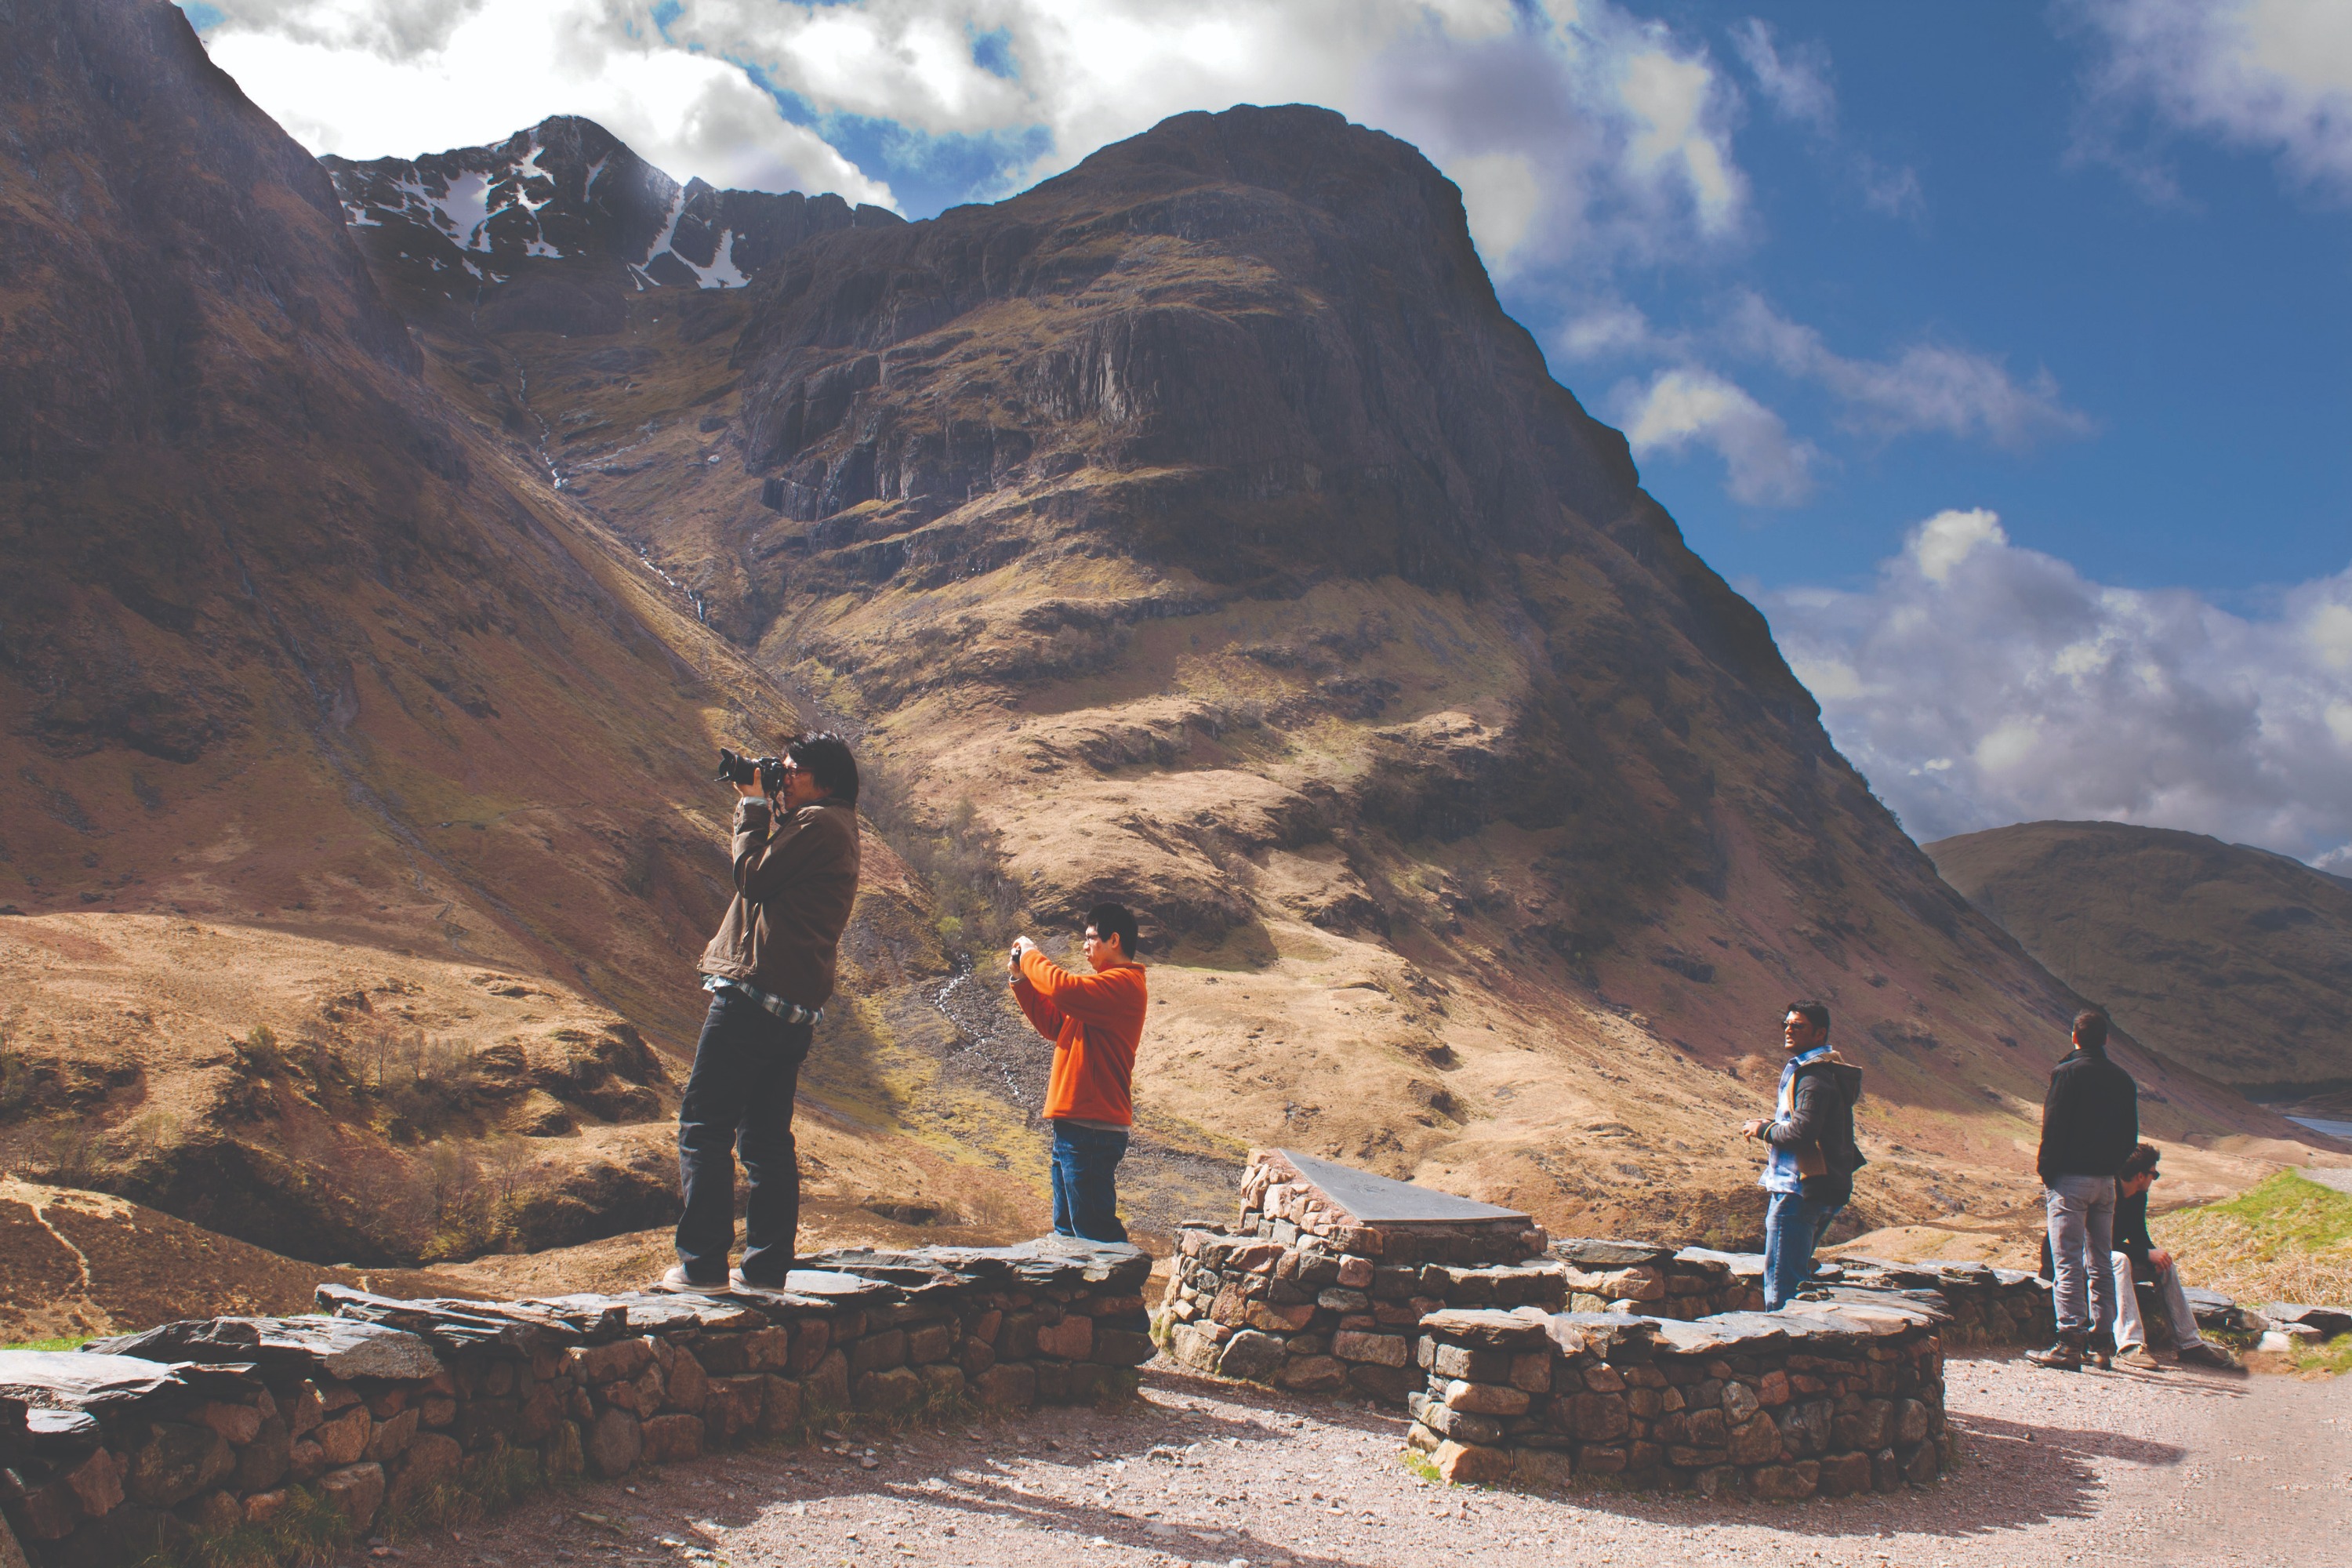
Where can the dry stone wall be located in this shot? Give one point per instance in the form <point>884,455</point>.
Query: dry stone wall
<point>1834,1399</point>
<point>132,1446</point>
<point>1310,1316</point>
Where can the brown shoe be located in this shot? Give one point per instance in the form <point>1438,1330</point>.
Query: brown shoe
<point>2099,1350</point>
<point>2137,1358</point>
<point>2067,1355</point>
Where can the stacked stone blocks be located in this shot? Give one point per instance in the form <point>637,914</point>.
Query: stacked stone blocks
<point>1307,1292</point>
<point>199,1427</point>
<point>1783,1405</point>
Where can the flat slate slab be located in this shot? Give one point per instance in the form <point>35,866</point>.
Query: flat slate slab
<point>2329,1321</point>
<point>63,1434</point>
<point>68,1380</point>
<point>1379,1200</point>
<point>1738,1265</point>
<point>1609,1252</point>
<point>339,1347</point>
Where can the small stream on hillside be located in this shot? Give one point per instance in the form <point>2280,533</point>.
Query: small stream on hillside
<point>979,1022</point>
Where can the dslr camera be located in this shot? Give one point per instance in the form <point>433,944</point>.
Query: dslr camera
<point>768,773</point>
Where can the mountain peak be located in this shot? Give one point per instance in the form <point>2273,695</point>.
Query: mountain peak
<point>568,190</point>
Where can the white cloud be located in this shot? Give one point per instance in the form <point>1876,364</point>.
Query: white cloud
<point>2273,75</point>
<point>1928,386</point>
<point>1978,683</point>
<point>1576,130</point>
<point>1797,82</point>
<point>1609,329</point>
<point>1684,407</point>
<point>370,78</point>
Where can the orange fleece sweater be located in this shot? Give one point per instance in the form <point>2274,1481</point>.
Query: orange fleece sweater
<point>1095,1022</point>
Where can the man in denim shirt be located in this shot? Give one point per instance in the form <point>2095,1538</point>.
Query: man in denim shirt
<point>1810,1171</point>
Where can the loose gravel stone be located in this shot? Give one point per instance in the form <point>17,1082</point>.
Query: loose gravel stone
<point>2128,1468</point>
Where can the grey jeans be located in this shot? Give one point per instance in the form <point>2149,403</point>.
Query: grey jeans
<point>2083,1227</point>
<point>2130,1330</point>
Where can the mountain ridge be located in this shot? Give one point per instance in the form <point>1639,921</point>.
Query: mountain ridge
<point>2234,958</point>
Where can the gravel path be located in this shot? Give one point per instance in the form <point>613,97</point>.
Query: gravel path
<point>2214,1471</point>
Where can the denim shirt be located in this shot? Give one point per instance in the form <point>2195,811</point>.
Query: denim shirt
<point>1780,1165</point>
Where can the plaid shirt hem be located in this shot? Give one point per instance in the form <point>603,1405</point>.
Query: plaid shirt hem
<point>790,1012</point>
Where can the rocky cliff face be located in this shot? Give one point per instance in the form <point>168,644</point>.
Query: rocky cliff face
<point>1196,530</point>
<point>357,836</point>
<point>2232,959</point>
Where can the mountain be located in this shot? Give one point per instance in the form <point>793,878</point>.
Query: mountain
<point>1196,529</point>
<point>358,836</point>
<point>495,226</point>
<point>2230,958</point>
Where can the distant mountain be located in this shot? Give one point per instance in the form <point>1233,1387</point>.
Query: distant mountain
<point>1196,529</point>
<point>2232,959</point>
<point>568,190</point>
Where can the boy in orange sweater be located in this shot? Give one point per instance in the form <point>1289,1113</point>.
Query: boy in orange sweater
<point>1094,1021</point>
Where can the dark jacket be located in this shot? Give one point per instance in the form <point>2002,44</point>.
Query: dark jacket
<point>2090,1123</point>
<point>2131,1237</point>
<point>793,887</point>
<point>1820,1124</point>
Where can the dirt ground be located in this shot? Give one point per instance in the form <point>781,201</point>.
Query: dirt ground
<point>2174,1468</point>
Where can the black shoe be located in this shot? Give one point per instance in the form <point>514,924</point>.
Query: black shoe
<point>2205,1352</point>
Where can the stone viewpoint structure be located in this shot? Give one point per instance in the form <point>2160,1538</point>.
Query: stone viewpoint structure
<point>1524,1359</point>
<point>1518,1360</point>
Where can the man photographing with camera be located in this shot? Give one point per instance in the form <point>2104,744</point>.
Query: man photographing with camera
<point>769,973</point>
<point>1095,1022</point>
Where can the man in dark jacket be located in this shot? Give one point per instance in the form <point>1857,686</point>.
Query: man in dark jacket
<point>2089,1125</point>
<point>769,973</point>
<point>1810,1171</point>
<point>2138,1257</point>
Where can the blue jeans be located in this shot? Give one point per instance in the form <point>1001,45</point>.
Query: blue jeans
<point>747,1066</point>
<point>1793,1227</point>
<point>1085,1192</point>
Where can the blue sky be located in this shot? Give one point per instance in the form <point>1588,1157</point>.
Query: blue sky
<point>2001,352</point>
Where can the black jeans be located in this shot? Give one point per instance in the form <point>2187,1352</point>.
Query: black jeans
<point>747,1066</point>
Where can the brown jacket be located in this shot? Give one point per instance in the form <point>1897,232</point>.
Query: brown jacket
<point>793,887</point>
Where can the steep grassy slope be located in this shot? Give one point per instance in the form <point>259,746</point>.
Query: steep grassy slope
<point>1196,529</point>
<point>2232,959</point>
<point>357,838</point>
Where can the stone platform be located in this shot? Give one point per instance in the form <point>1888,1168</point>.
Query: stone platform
<point>131,1447</point>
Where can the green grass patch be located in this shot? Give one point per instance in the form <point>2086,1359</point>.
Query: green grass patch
<point>2287,1239</point>
<point>2334,1358</point>
<point>2291,1211</point>
<point>71,1343</point>
<point>1419,1464</point>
